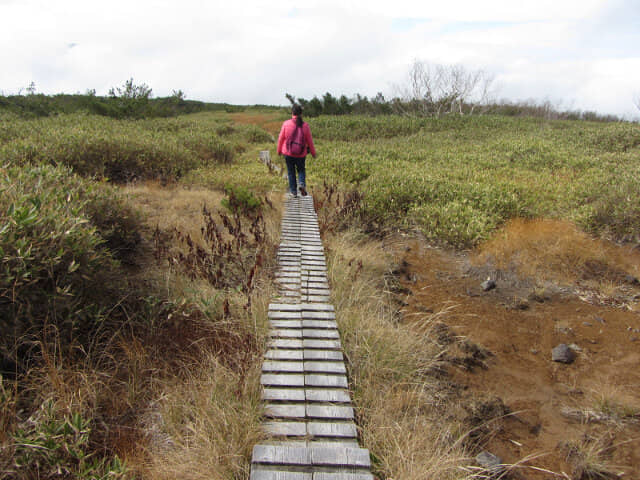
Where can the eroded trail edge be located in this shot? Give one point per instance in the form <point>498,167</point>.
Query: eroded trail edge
<point>305,388</point>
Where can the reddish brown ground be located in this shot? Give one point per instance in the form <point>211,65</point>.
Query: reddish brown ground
<point>520,372</point>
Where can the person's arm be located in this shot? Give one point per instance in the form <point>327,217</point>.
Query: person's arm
<point>309,139</point>
<point>281,139</point>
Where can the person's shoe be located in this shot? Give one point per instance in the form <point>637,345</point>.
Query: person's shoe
<point>303,191</point>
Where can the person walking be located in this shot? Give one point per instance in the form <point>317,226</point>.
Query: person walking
<point>294,142</point>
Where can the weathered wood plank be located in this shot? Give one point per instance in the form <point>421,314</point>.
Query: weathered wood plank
<point>322,344</point>
<point>281,455</point>
<point>284,354</point>
<point>286,333</point>
<point>282,367</point>
<point>258,473</point>
<point>282,380</point>
<point>325,381</point>
<point>283,307</point>
<point>322,355</point>
<point>325,367</point>
<point>328,324</point>
<point>317,307</point>
<point>331,429</point>
<point>341,457</point>
<point>284,314</point>
<point>341,476</point>
<point>308,315</point>
<point>286,343</point>
<point>327,395</point>
<point>286,411</point>
<point>330,412</point>
<point>320,333</point>
<point>286,429</point>
<point>284,394</point>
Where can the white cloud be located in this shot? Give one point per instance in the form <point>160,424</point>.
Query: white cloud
<point>254,52</point>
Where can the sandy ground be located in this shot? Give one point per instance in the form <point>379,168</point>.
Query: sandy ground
<point>499,360</point>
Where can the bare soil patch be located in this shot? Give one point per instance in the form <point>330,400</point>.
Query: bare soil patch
<point>574,419</point>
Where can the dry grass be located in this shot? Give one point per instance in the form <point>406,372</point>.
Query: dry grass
<point>392,368</point>
<point>556,251</point>
<point>177,397</point>
<point>269,121</point>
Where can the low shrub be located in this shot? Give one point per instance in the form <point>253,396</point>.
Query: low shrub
<point>55,231</point>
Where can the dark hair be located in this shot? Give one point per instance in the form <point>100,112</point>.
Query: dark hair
<point>297,111</point>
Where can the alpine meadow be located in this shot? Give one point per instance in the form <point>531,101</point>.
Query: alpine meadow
<point>138,250</point>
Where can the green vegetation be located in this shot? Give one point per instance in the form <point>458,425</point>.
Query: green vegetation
<point>125,150</point>
<point>126,315</point>
<point>100,314</point>
<point>459,178</point>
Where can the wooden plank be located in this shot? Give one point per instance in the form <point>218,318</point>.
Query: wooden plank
<point>341,476</point>
<point>340,457</point>
<point>325,381</point>
<point>327,324</point>
<point>330,412</point>
<point>284,354</point>
<point>284,314</point>
<point>284,394</point>
<point>282,367</point>
<point>286,411</point>
<point>286,429</point>
<point>325,367</point>
<point>320,333</point>
<point>323,355</point>
<point>258,473</point>
<point>327,395</point>
<point>332,429</point>
<point>282,380</point>
<point>317,307</point>
<point>281,275</point>
<point>281,455</point>
<point>285,333</point>
<point>315,291</point>
<point>322,344</point>
<point>283,307</point>
<point>286,343</point>
<point>307,315</point>
<point>285,323</point>
<point>316,298</point>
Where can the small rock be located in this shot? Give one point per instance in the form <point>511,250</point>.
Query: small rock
<point>534,351</point>
<point>489,461</point>
<point>631,280</point>
<point>488,284</point>
<point>599,319</point>
<point>563,354</point>
<point>575,347</point>
<point>634,339</point>
<point>587,324</point>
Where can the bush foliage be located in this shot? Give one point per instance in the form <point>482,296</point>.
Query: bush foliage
<point>459,178</point>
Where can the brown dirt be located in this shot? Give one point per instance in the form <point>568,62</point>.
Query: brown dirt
<point>500,349</point>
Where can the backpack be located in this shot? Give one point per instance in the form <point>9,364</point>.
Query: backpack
<point>296,143</point>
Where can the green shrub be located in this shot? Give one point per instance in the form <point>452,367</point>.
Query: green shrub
<point>52,445</point>
<point>56,269</point>
<point>241,200</point>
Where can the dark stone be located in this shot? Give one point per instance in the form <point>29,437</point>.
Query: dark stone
<point>563,354</point>
<point>488,284</point>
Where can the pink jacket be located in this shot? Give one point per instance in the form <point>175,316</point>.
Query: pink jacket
<point>288,127</point>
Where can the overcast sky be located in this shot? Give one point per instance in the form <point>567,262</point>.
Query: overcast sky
<point>579,54</point>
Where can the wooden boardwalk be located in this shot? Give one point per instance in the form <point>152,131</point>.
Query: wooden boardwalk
<point>305,388</point>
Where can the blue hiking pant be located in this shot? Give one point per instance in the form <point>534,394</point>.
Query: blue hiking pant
<point>296,164</point>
